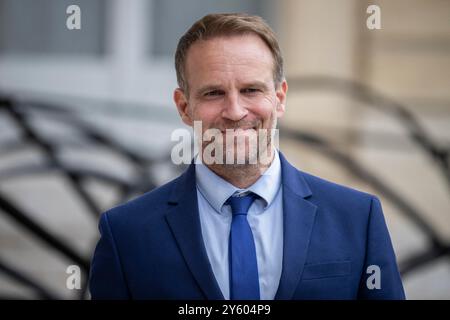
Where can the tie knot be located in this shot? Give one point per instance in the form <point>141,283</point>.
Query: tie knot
<point>240,205</point>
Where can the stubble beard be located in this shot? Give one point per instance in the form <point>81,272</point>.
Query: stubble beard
<point>252,166</point>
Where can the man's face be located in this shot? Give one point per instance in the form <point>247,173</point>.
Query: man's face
<point>231,86</point>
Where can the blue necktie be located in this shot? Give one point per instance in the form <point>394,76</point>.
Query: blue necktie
<point>244,280</point>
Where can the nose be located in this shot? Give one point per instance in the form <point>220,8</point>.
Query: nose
<point>233,108</point>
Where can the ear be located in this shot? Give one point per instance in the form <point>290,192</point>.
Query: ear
<point>181,102</point>
<point>281,93</point>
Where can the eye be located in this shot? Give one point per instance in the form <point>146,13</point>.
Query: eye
<point>250,90</point>
<point>213,93</point>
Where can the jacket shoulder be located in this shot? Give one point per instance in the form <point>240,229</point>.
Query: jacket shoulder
<point>324,186</point>
<point>149,203</point>
<point>339,200</point>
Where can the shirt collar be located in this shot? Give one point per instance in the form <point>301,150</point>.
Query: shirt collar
<point>216,190</point>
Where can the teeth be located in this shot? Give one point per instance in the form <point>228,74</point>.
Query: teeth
<point>242,129</point>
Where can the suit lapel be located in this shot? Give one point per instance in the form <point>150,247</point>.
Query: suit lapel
<point>183,219</point>
<point>299,215</point>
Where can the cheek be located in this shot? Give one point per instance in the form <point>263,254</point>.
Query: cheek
<point>265,109</point>
<point>206,113</point>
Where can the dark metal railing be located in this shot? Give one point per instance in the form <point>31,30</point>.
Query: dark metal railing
<point>21,113</point>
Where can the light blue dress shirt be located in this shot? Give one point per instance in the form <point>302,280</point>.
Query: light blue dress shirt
<point>265,217</point>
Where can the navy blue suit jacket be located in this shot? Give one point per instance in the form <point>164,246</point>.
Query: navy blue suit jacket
<point>152,247</point>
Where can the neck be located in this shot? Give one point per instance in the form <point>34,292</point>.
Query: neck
<point>241,176</point>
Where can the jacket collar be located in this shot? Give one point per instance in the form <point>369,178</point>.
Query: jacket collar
<point>298,215</point>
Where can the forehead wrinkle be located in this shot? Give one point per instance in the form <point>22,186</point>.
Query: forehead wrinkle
<point>216,59</point>
<point>239,71</point>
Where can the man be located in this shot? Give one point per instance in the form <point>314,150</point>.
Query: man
<point>242,230</point>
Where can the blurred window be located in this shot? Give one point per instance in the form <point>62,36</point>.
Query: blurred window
<point>39,27</point>
<point>171,18</point>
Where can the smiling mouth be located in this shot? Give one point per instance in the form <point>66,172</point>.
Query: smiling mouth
<point>255,128</point>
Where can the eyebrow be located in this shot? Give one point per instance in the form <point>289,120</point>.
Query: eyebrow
<point>207,88</point>
<point>257,84</point>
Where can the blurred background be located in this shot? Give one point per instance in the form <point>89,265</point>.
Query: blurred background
<point>86,117</point>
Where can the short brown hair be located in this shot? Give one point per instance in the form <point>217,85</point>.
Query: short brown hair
<point>227,24</point>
